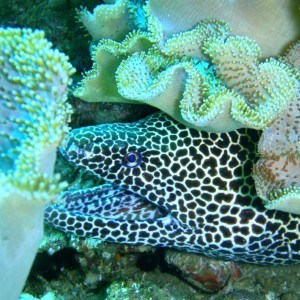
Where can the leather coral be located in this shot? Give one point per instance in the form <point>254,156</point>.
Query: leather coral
<point>186,63</point>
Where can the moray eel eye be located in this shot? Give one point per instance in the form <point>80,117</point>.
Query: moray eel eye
<point>132,159</point>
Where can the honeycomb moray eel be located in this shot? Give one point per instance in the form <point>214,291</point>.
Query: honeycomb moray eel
<point>173,186</point>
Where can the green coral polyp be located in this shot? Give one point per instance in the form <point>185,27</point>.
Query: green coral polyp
<point>286,199</point>
<point>107,21</point>
<point>100,81</point>
<point>144,76</point>
<point>190,43</point>
<point>30,70</point>
<point>38,187</point>
<point>34,83</point>
<point>213,113</point>
<point>265,88</point>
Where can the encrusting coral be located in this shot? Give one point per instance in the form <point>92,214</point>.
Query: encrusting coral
<point>166,65</point>
<point>34,82</point>
<point>276,174</point>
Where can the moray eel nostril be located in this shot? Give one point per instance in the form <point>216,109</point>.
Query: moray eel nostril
<point>173,186</point>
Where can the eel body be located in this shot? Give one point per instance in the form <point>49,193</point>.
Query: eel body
<point>173,186</point>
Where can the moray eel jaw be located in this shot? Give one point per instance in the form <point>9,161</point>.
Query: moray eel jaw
<point>173,186</point>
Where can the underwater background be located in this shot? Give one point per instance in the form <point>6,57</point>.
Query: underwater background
<point>69,267</point>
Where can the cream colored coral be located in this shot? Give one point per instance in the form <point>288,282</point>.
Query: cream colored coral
<point>109,20</point>
<point>263,89</point>
<point>99,84</point>
<point>238,90</point>
<point>292,56</point>
<point>277,172</point>
<point>136,70</point>
<point>33,115</point>
<point>273,24</point>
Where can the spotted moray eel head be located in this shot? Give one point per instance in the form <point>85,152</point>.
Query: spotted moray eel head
<point>173,186</point>
<point>131,155</point>
<point>159,159</point>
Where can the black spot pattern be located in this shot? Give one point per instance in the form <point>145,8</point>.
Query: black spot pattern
<point>192,191</point>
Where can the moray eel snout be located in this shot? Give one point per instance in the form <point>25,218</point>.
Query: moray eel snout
<point>173,186</point>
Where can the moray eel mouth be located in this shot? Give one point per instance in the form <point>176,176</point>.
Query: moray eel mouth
<point>173,186</point>
<point>110,202</point>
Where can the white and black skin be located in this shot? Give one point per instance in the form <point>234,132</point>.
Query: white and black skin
<point>174,186</point>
